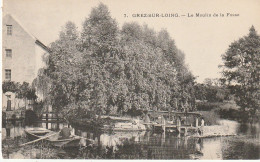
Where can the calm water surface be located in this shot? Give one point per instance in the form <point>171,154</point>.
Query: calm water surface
<point>148,145</point>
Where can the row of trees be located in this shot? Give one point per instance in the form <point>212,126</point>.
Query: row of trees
<point>211,90</point>
<point>108,70</point>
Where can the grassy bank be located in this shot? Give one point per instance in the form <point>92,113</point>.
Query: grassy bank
<point>224,110</point>
<point>214,111</point>
<point>208,106</point>
<point>43,150</point>
<point>39,150</point>
<point>210,117</point>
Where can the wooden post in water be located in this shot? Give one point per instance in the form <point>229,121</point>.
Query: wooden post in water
<point>185,131</point>
<point>163,124</point>
<point>178,124</point>
<point>58,123</point>
<point>8,151</point>
<point>197,122</point>
<point>47,121</point>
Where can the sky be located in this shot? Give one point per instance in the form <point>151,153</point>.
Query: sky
<point>202,39</point>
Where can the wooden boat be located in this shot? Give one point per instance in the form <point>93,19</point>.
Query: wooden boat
<point>35,133</point>
<point>55,139</point>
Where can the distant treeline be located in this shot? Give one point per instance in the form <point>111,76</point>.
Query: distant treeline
<point>212,90</point>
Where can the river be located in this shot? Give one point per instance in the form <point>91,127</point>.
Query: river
<point>147,145</point>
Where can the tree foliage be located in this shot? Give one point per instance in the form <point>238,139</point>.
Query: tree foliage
<point>22,91</point>
<point>107,70</point>
<point>242,70</point>
<point>211,90</point>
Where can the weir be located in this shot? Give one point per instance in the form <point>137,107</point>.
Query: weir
<point>179,122</point>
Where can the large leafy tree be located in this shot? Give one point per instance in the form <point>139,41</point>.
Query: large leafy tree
<point>242,70</point>
<point>108,70</point>
<point>184,94</point>
<point>154,64</point>
<point>62,78</point>
<point>102,60</point>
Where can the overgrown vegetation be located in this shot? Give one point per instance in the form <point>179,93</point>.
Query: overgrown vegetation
<point>225,110</point>
<point>210,117</point>
<point>208,106</point>
<point>22,91</point>
<point>39,150</point>
<point>107,70</point>
<point>212,90</point>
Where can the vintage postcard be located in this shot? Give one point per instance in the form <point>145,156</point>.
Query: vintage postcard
<point>130,79</point>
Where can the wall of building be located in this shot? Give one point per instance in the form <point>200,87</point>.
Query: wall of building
<point>26,57</point>
<point>22,44</point>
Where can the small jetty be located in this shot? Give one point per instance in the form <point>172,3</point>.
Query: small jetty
<point>178,122</point>
<point>123,124</point>
<point>158,121</point>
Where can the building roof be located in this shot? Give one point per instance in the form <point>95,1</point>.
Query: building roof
<point>37,41</point>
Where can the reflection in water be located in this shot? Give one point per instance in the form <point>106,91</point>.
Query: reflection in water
<point>211,149</point>
<point>148,145</point>
<point>244,146</point>
<point>13,130</point>
<point>118,138</point>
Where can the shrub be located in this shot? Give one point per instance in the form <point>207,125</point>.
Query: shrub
<point>208,106</point>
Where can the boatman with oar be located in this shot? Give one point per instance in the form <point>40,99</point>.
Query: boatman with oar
<point>65,133</point>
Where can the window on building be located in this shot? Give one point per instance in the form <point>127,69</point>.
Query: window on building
<point>7,74</point>
<point>9,29</point>
<point>8,53</point>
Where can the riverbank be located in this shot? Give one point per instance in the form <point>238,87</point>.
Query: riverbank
<point>11,149</point>
<point>213,111</point>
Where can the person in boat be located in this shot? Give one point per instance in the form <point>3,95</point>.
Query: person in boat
<point>65,133</point>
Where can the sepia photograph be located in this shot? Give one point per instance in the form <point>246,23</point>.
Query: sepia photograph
<point>130,79</point>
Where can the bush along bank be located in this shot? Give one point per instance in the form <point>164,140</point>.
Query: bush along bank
<point>207,106</point>
<point>241,116</point>
<point>225,110</point>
